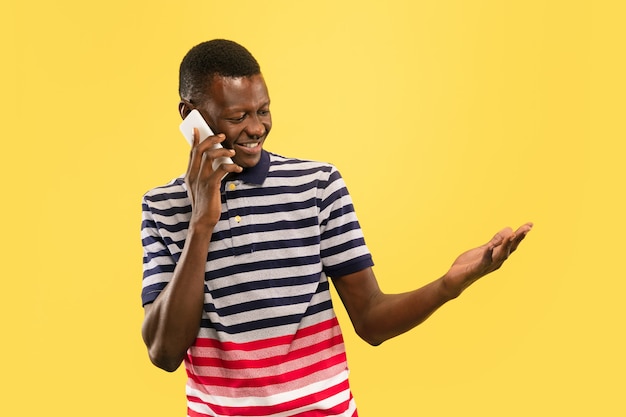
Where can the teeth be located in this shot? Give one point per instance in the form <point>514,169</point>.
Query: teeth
<point>251,145</point>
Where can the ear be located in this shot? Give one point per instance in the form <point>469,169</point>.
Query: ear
<point>184,108</point>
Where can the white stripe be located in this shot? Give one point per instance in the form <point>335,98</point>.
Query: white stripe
<point>275,399</point>
<point>268,333</point>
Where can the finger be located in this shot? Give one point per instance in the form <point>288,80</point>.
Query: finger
<point>220,167</point>
<point>503,250</point>
<point>210,144</point>
<point>508,245</point>
<point>220,157</point>
<point>227,166</point>
<point>488,255</point>
<point>525,228</point>
<point>520,234</point>
<point>196,136</point>
<point>199,150</point>
<point>204,169</point>
<point>216,164</point>
<point>499,238</point>
<point>194,162</point>
<point>221,154</point>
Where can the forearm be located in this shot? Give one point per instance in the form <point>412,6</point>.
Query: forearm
<point>172,321</point>
<point>377,316</point>
<point>390,315</point>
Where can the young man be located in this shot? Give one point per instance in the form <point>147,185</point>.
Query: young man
<point>236,269</point>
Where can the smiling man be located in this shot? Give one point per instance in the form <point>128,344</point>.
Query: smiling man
<point>236,270</point>
<point>238,107</point>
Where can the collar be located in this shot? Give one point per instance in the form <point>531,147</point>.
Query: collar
<point>256,174</point>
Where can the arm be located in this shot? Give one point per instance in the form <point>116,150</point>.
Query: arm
<point>377,316</point>
<point>172,321</point>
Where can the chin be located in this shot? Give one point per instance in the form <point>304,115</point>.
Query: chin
<point>248,162</point>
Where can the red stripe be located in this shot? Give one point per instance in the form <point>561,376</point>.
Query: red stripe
<point>265,343</point>
<point>270,361</point>
<point>307,400</point>
<point>269,380</point>
<point>339,408</point>
<point>191,413</point>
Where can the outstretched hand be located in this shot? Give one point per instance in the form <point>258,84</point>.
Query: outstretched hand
<point>480,261</point>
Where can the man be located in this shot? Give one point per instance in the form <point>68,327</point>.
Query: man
<point>236,269</point>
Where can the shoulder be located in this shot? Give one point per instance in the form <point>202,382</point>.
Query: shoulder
<point>173,190</point>
<point>294,167</point>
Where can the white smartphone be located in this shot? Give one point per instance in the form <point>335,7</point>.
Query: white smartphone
<point>195,119</point>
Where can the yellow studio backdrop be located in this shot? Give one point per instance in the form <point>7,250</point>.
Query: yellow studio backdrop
<point>448,119</point>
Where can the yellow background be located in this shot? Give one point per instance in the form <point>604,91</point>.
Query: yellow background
<point>448,119</point>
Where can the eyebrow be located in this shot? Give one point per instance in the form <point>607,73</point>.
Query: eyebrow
<point>242,109</point>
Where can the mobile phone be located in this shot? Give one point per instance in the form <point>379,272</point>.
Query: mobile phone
<point>195,119</point>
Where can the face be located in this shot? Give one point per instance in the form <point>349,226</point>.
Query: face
<point>240,109</point>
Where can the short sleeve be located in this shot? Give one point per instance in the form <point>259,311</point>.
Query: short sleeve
<point>158,262</point>
<point>343,248</point>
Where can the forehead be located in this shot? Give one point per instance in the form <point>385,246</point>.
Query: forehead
<point>235,92</point>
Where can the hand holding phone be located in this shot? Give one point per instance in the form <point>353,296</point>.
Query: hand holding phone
<point>195,119</point>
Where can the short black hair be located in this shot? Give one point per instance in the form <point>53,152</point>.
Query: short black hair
<point>215,57</point>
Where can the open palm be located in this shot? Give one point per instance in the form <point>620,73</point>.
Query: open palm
<point>478,262</point>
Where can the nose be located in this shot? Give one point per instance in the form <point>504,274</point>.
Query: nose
<point>255,127</point>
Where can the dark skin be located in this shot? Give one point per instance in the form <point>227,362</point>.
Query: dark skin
<point>238,108</point>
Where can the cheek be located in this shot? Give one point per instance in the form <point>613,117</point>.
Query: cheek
<point>231,137</point>
<point>228,143</point>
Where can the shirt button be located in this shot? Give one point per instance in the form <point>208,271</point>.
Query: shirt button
<point>237,219</point>
<point>232,186</point>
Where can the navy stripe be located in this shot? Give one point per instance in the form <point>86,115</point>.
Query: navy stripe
<point>150,240</point>
<point>262,284</point>
<point>165,196</point>
<point>267,245</point>
<point>173,228</point>
<point>333,250</point>
<point>283,208</point>
<point>264,303</point>
<point>332,198</point>
<point>149,293</point>
<point>158,269</point>
<point>336,231</point>
<point>148,224</point>
<point>151,255</point>
<point>280,190</point>
<point>349,267</point>
<point>275,226</point>
<point>269,227</point>
<point>171,211</point>
<point>340,212</point>
<point>282,161</point>
<point>268,322</point>
<point>261,267</point>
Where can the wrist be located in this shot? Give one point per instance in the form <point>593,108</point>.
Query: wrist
<point>448,289</point>
<point>199,231</point>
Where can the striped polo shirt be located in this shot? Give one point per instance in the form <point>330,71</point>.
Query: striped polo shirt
<point>269,342</point>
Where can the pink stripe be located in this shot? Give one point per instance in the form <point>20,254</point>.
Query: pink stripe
<point>263,368</point>
<point>268,380</point>
<point>270,361</point>
<point>268,391</point>
<point>265,353</point>
<point>309,400</point>
<point>264,343</point>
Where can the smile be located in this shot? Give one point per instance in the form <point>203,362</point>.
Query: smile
<point>250,145</point>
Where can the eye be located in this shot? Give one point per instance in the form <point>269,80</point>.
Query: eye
<point>237,119</point>
<point>263,112</point>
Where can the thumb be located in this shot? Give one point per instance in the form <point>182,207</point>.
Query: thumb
<point>499,238</point>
